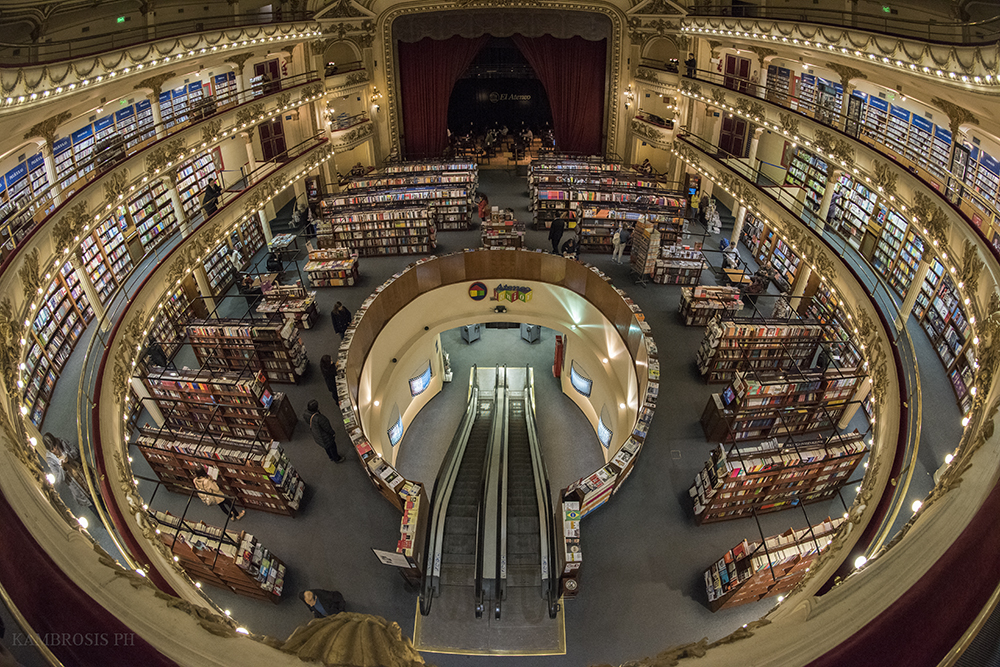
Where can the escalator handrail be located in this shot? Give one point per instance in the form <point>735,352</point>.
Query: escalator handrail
<point>484,480</point>
<point>501,537</point>
<point>443,486</point>
<point>542,488</point>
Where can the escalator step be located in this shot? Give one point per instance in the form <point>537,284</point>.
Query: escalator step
<point>523,525</point>
<point>460,525</point>
<point>456,543</point>
<point>523,544</point>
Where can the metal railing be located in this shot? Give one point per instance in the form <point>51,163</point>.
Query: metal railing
<point>37,53</point>
<point>941,31</point>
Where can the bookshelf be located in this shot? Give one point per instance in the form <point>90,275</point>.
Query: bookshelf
<point>753,229</point>
<point>233,345</point>
<point>153,215</point>
<point>752,571</point>
<point>501,230</point>
<point>679,265</point>
<point>857,207</point>
<point>256,473</point>
<point>945,322</point>
<point>219,269</point>
<point>170,326</point>
<point>778,82</point>
<point>598,223</point>
<point>645,248</point>
<point>97,269</point>
<point>293,303</point>
<point>699,305</point>
<point>929,287</point>
<point>456,183</point>
<point>739,344</point>
<point>192,179</point>
<point>113,243</point>
<point>253,237</point>
<point>897,129</point>
<point>775,403</point>
<point>772,476</point>
<point>876,118</point>
<point>905,267</point>
<point>221,403</point>
<point>230,560</point>
<point>413,532</point>
<point>332,267</point>
<point>940,153</point>
<point>378,230</point>
<point>808,172</point>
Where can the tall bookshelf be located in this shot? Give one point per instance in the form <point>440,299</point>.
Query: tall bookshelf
<point>456,184</point>
<point>734,345</point>
<point>700,305</point>
<point>258,474</point>
<point>113,243</point>
<point>374,231</point>
<point>233,345</point>
<point>598,222</point>
<point>170,326</point>
<point>773,476</point>
<point>192,178</point>
<point>945,322</point>
<point>153,215</point>
<point>857,207</point>
<point>809,172</point>
<point>769,404</point>
<point>220,270</point>
<point>230,560</point>
<point>752,571</point>
<point>221,403</point>
<point>501,230</point>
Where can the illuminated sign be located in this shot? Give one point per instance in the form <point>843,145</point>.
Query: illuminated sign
<point>420,383</point>
<point>603,433</point>
<point>396,431</point>
<point>580,382</point>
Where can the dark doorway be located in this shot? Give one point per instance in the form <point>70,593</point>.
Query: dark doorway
<point>266,78</point>
<point>737,73</point>
<point>733,137</point>
<point>272,139</point>
<point>499,89</point>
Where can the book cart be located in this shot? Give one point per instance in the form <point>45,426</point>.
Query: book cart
<point>274,349</point>
<point>253,470</point>
<point>231,403</point>
<point>751,571</point>
<point>456,182</point>
<point>332,267</point>
<point>227,559</point>
<point>293,304</point>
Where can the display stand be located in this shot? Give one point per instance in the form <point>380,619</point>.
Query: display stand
<point>332,267</point>
<point>294,303</point>
<point>413,532</point>
<point>501,230</point>
<point>233,345</point>
<point>699,305</point>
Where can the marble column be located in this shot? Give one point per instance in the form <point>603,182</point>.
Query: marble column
<point>175,202</point>
<point>799,288</point>
<point>205,288</point>
<point>912,293</point>
<point>852,408</point>
<point>76,261</point>
<point>154,106</point>
<point>50,173</point>
<point>741,212</point>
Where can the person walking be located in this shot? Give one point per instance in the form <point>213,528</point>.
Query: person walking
<point>63,460</point>
<point>329,371</point>
<point>211,494</point>
<point>323,603</point>
<point>620,240</point>
<point>341,318</point>
<point>322,430</point>
<point>210,203</point>
<point>556,231</point>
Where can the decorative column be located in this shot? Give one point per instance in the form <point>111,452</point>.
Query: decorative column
<point>828,190</point>
<point>201,278</point>
<point>47,130</point>
<point>88,286</point>
<point>239,60</point>
<point>912,293</point>
<point>799,288</point>
<point>855,403</point>
<point>957,117</point>
<point>265,227</point>
<point>754,145</point>
<point>155,85</point>
<point>846,75</point>
<point>741,212</point>
<point>170,180</point>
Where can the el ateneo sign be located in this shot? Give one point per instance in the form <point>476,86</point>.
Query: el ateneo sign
<point>508,97</point>
<point>512,293</point>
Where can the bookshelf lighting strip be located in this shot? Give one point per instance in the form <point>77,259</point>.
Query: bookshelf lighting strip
<point>988,79</point>
<point>153,62</point>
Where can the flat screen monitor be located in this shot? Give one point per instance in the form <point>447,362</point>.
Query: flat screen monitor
<point>419,384</point>
<point>396,431</point>
<point>603,433</point>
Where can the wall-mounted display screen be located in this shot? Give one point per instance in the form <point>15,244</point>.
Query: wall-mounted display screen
<point>396,431</point>
<point>419,384</point>
<point>580,382</point>
<point>603,433</point>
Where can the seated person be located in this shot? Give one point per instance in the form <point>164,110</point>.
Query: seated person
<point>570,246</point>
<point>274,263</point>
<point>358,170</point>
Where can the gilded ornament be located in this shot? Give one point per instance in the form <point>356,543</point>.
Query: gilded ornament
<point>885,178</point>
<point>210,131</point>
<point>115,186</point>
<point>70,226</point>
<point>239,60</point>
<point>957,115</point>
<point>789,123</point>
<point>31,275</point>
<point>846,73</point>
<point>47,129</point>
<point>155,83</point>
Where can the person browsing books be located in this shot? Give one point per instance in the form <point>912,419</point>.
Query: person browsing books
<point>322,430</point>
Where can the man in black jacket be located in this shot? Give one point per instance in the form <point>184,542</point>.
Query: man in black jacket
<point>323,603</point>
<point>322,430</point>
<point>556,232</point>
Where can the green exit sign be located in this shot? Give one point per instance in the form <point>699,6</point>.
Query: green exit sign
<point>121,19</point>
<point>885,8</point>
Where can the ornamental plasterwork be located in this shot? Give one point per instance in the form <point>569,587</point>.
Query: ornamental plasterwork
<point>873,47</point>
<point>130,337</point>
<point>930,217</point>
<point>354,136</point>
<point>67,230</point>
<point>654,7</point>
<point>957,116</point>
<point>158,157</point>
<point>615,80</point>
<point>719,96</point>
<point>10,332</point>
<point>700,648</point>
<point>878,359</point>
<point>210,130</point>
<point>239,60</point>
<point>16,81</point>
<point>762,53</point>
<point>47,129</point>
<point>969,269</point>
<point>342,9</point>
<point>649,133</point>
<point>789,123</point>
<point>748,107</point>
<point>884,177</point>
<point>641,31</point>
<point>846,73</point>
<point>31,275</point>
<point>115,185</point>
<point>645,74</point>
<point>155,83</point>
<point>691,87</point>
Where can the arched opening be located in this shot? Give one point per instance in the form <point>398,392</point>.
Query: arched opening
<point>661,52</point>
<point>341,56</point>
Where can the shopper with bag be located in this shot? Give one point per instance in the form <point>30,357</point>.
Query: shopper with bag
<point>211,494</point>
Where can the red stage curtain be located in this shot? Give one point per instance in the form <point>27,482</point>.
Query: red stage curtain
<point>572,71</point>
<point>428,70</point>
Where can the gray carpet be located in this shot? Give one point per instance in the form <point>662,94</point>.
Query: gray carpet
<point>640,587</point>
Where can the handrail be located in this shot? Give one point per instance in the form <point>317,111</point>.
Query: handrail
<point>543,490</point>
<point>444,483</point>
<point>488,493</point>
<point>886,23</point>
<point>38,53</point>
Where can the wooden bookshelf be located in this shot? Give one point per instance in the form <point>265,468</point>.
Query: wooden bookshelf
<point>752,571</point>
<point>679,265</point>
<point>192,178</point>
<point>773,476</point>
<point>413,528</point>
<point>256,473</point>
<point>230,560</point>
<point>153,215</point>
<point>809,172</point>
<point>501,230</point>
<point>740,344</point>
<point>293,303</point>
<point>699,305</point>
<point>945,322</point>
<point>457,183</point>
<point>332,267</point>
<point>645,248</point>
<point>235,345</point>
<point>221,403</point>
<point>769,404</point>
<point>378,230</point>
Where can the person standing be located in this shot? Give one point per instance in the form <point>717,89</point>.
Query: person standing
<point>211,494</point>
<point>329,371</point>
<point>484,207</point>
<point>322,430</point>
<point>692,64</point>
<point>211,200</point>
<point>63,459</point>
<point>341,318</point>
<point>323,603</point>
<point>556,231</point>
<point>623,235</point>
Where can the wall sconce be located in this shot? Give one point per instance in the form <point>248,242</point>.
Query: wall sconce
<point>629,96</point>
<point>376,96</point>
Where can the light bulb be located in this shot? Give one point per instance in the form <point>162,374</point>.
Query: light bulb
<point>860,561</point>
